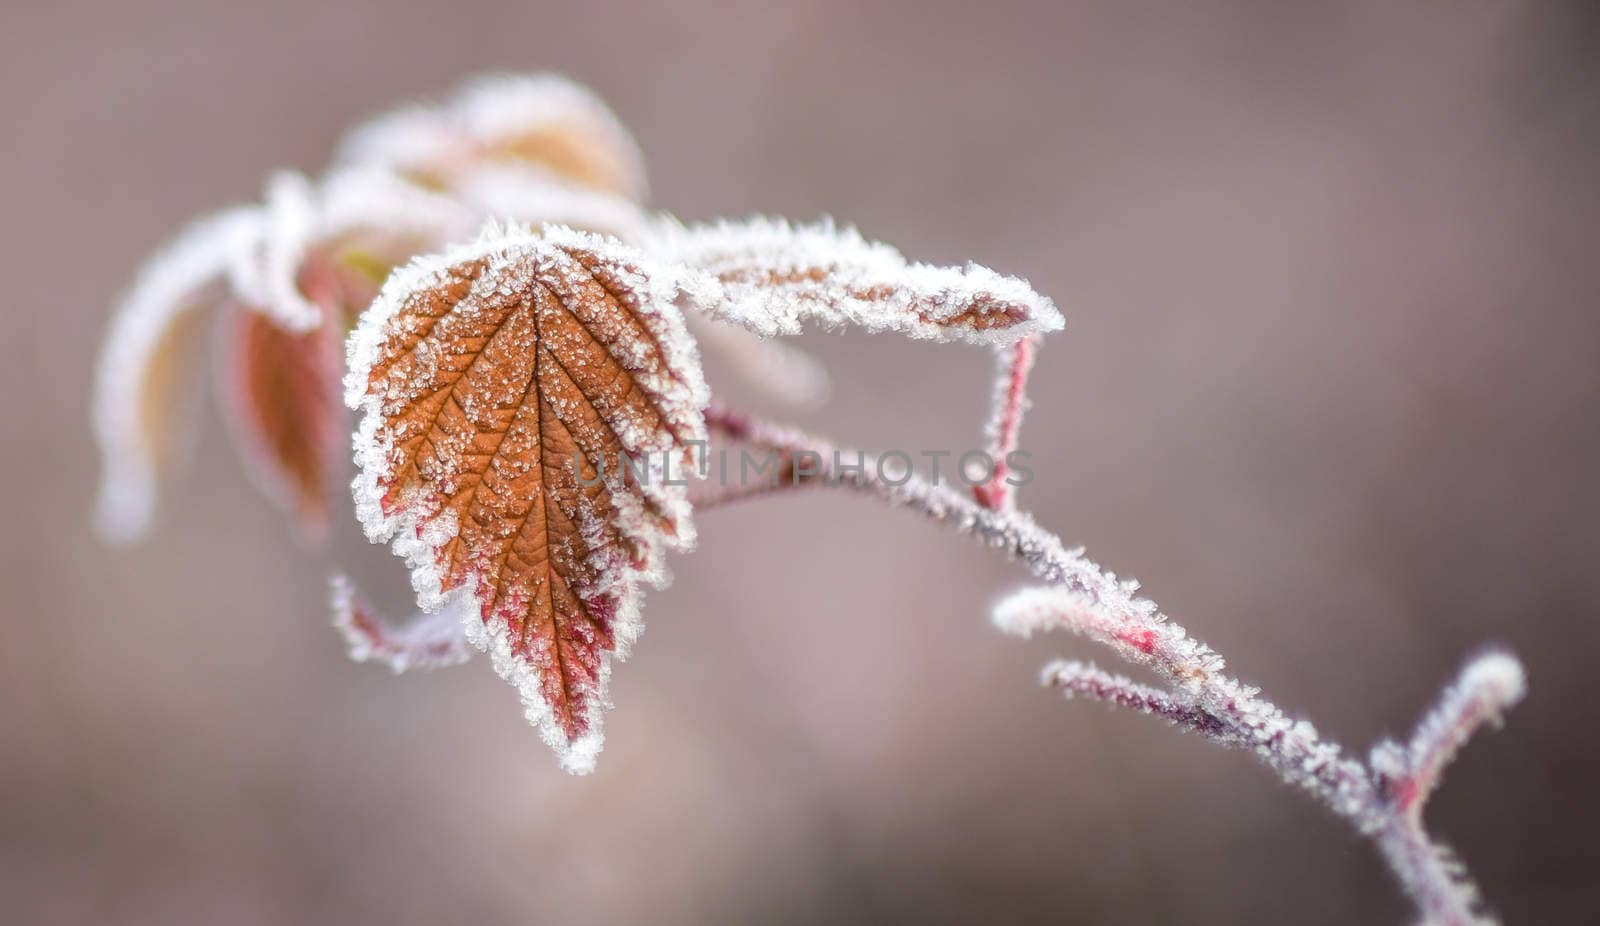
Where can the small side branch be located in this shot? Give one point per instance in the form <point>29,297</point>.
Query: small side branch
<point>1235,713</point>
<point>1085,680</point>
<point>1407,777</point>
<point>1487,687</point>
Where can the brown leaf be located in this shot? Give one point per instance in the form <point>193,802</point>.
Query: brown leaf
<point>543,121</point>
<point>281,389</point>
<point>553,122</point>
<point>482,375</point>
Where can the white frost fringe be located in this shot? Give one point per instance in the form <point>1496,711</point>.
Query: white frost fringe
<point>523,193</point>
<point>492,110</point>
<point>426,641</point>
<point>187,276</point>
<point>833,277</point>
<point>504,106</point>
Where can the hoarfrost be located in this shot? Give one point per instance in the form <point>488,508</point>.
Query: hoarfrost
<point>522,193</point>
<point>426,641</point>
<point>545,307</point>
<point>774,278</point>
<point>540,119</point>
<point>137,413</point>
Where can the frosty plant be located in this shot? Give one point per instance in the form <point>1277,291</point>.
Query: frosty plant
<point>512,318</point>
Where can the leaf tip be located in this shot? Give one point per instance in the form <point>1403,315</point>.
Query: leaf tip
<point>124,507</point>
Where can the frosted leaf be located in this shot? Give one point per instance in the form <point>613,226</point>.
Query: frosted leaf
<point>541,120</point>
<point>312,252</point>
<point>375,201</point>
<point>549,120</point>
<point>280,391</point>
<point>139,400</point>
<point>482,376</point>
<point>291,226</point>
<point>532,196</point>
<point>422,142</point>
<point>326,251</point>
<point>426,641</point>
<point>357,225</point>
<point>774,278</point>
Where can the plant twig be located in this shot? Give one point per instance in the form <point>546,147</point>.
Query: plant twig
<point>1014,362</point>
<point>1382,798</point>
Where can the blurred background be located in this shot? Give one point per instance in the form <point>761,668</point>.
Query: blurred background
<point>1328,387</point>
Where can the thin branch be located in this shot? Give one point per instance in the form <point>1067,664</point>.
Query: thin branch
<point>1383,799</point>
<point>1085,680</point>
<point>1014,361</point>
<point>1437,882</point>
<point>1486,688</point>
<point>1012,532</point>
<point>1239,717</point>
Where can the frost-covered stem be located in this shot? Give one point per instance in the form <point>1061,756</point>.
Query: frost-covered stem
<point>1239,721</point>
<point>1487,687</point>
<point>1015,361</point>
<point>1407,776</point>
<point>1438,883</point>
<point>1383,798</point>
<point>1013,532</point>
<point>1084,680</point>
